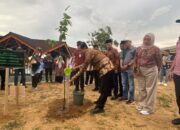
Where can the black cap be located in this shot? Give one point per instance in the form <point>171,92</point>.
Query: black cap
<point>123,42</point>
<point>79,43</point>
<point>83,45</point>
<point>109,41</point>
<point>95,46</point>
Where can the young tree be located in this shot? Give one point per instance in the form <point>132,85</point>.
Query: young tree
<point>63,25</point>
<point>100,36</point>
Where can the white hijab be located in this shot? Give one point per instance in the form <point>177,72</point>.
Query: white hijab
<point>60,61</point>
<point>151,35</point>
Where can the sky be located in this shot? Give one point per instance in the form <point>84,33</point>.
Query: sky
<point>129,19</point>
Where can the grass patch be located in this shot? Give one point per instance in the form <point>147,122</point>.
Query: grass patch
<point>165,101</point>
<point>69,127</point>
<point>116,117</point>
<point>56,128</point>
<point>12,125</point>
<point>37,128</point>
<point>43,97</point>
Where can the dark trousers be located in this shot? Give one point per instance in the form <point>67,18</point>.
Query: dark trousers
<point>89,77</point>
<point>59,79</point>
<point>23,76</point>
<point>48,74</point>
<point>120,85</point>
<point>79,81</point>
<point>96,78</point>
<point>41,76</point>
<point>177,89</point>
<point>35,80</point>
<point>115,84</point>
<point>105,89</point>
<point>2,74</point>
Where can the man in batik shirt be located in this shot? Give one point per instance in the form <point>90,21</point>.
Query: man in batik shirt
<point>105,68</point>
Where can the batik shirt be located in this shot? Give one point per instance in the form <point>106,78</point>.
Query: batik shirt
<point>149,57</point>
<point>98,60</point>
<point>113,55</point>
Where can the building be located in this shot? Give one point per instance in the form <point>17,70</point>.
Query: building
<point>13,40</point>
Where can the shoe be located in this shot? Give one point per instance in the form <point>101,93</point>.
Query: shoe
<point>97,110</point>
<point>119,98</point>
<point>34,88</point>
<point>176,121</point>
<point>129,102</point>
<point>95,102</point>
<point>114,98</point>
<point>122,99</point>
<point>165,84</point>
<point>144,112</point>
<point>120,95</point>
<point>139,108</point>
<point>95,89</point>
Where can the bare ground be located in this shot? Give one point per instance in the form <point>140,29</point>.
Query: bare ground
<point>42,110</point>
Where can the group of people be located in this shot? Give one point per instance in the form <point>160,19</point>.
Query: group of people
<point>48,64</point>
<point>113,72</point>
<point>38,64</point>
<point>116,72</point>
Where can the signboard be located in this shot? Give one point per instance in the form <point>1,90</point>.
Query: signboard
<point>12,59</point>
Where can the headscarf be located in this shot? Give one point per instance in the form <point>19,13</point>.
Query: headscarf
<point>151,35</point>
<point>60,61</point>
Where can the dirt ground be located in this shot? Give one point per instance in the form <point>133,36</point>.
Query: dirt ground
<point>41,109</point>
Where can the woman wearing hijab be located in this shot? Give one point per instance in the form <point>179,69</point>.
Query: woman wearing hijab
<point>59,69</point>
<point>147,65</point>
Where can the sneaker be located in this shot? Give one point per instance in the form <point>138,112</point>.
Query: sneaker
<point>139,108</point>
<point>165,84</point>
<point>144,112</point>
<point>97,110</point>
<point>176,121</point>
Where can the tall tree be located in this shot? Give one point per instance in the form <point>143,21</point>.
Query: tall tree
<point>63,25</point>
<point>100,36</point>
